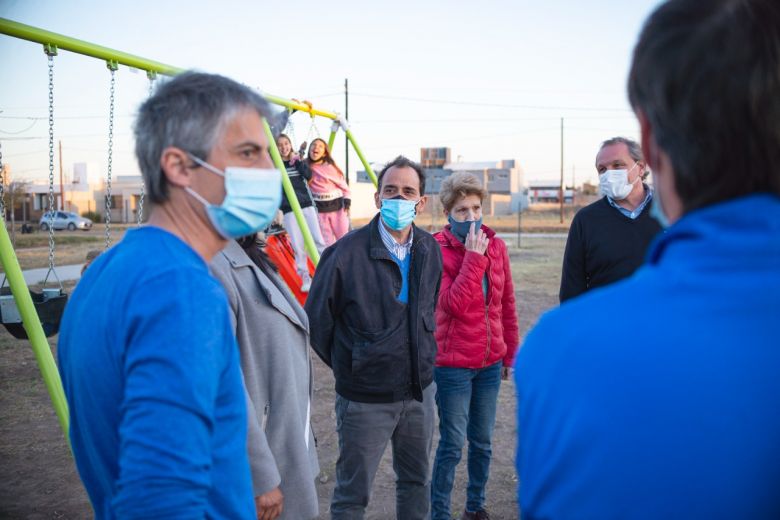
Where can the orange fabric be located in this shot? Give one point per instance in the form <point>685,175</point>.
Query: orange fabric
<point>280,251</point>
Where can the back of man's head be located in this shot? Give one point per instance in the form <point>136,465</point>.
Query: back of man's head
<point>706,75</point>
<point>188,112</point>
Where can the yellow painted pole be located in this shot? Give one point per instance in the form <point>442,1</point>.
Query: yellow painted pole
<point>366,165</point>
<point>287,186</point>
<point>62,42</point>
<point>288,103</point>
<point>34,34</point>
<point>32,325</point>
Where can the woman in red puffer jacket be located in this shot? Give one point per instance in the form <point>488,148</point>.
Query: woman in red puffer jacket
<point>477,337</point>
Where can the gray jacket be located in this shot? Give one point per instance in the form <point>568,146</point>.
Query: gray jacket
<point>273,336</point>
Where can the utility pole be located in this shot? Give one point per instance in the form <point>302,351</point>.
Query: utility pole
<point>561,188</point>
<point>62,187</point>
<point>346,139</point>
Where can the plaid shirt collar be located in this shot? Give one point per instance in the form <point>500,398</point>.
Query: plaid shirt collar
<point>398,250</point>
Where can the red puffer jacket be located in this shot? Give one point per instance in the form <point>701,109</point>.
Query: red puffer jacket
<point>469,332</point>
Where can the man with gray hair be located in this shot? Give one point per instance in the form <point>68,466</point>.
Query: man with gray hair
<point>147,354</point>
<point>608,239</point>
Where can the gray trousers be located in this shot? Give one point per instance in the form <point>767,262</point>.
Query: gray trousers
<point>364,430</point>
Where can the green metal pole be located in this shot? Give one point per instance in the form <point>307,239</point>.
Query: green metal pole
<point>32,325</point>
<point>33,34</point>
<point>287,186</point>
<point>367,166</point>
<point>299,106</point>
<point>331,139</point>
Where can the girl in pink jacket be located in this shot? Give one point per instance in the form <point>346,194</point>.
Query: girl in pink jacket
<point>330,192</point>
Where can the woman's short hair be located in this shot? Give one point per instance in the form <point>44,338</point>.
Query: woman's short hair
<point>457,186</point>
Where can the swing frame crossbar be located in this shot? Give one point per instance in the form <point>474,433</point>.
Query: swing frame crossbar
<point>51,42</point>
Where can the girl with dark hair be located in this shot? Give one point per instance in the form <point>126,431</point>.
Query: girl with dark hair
<point>299,173</point>
<point>330,191</point>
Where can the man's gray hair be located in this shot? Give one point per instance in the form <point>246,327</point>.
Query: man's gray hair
<point>634,150</point>
<point>189,112</point>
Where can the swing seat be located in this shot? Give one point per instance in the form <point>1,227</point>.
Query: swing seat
<point>49,304</point>
<point>280,251</point>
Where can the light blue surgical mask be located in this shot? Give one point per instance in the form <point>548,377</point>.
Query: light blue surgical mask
<point>398,213</point>
<point>252,196</point>
<point>657,210</point>
<point>461,229</point>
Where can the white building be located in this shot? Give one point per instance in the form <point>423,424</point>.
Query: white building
<point>503,179</point>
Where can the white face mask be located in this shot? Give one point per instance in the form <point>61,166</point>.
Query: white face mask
<point>614,183</point>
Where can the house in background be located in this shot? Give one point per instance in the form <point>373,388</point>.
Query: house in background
<point>85,191</point>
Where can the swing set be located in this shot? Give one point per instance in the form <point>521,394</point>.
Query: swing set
<point>36,315</point>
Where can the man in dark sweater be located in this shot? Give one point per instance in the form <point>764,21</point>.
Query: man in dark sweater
<point>608,239</point>
<point>371,315</point>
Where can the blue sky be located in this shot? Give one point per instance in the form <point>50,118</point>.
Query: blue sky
<point>489,79</point>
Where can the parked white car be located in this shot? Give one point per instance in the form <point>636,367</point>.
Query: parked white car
<point>65,220</point>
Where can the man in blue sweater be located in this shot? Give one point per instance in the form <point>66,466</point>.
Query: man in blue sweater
<point>679,418</point>
<point>146,351</point>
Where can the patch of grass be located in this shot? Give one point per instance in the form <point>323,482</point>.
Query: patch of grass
<point>41,239</point>
<point>70,247</point>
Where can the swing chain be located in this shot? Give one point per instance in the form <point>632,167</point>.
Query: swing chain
<point>110,157</point>
<point>51,160</point>
<point>289,130</point>
<point>140,215</point>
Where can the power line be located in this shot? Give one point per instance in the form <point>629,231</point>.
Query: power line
<point>19,131</point>
<point>484,119</point>
<point>63,136</point>
<point>46,118</point>
<point>483,104</point>
<point>469,139</point>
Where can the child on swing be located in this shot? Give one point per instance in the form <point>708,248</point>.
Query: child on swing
<point>299,173</point>
<point>330,192</point>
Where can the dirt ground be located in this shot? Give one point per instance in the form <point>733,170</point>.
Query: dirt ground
<point>38,479</point>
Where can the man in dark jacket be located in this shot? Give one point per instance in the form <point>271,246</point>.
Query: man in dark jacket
<point>609,238</point>
<point>371,311</point>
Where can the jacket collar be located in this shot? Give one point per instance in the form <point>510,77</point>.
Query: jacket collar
<point>238,259</point>
<point>713,234</point>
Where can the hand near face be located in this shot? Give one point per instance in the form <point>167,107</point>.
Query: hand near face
<point>476,240</point>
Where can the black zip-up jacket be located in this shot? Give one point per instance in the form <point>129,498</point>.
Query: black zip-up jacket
<point>298,173</point>
<point>380,350</point>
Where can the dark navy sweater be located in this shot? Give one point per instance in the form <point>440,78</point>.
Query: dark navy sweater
<point>604,246</point>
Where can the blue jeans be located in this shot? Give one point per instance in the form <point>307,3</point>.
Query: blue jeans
<point>466,399</point>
